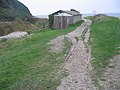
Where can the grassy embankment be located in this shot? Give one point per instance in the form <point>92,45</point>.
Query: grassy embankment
<point>16,25</point>
<point>28,25</point>
<point>105,38</point>
<point>27,64</point>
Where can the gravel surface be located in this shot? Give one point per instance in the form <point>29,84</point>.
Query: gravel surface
<point>78,61</point>
<point>57,43</point>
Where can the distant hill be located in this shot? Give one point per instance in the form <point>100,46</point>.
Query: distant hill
<point>41,16</point>
<point>11,9</point>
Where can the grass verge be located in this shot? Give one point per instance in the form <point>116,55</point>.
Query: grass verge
<point>27,64</point>
<point>105,38</point>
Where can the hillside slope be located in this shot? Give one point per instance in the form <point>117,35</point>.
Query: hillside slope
<point>11,9</point>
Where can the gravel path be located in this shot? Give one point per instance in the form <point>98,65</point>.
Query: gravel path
<point>57,43</point>
<point>78,60</point>
<point>78,64</point>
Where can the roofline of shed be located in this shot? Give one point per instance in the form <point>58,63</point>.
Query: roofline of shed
<point>71,14</point>
<point>55,13</point>
<point>61,11</point>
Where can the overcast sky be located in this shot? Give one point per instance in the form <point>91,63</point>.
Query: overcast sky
<point>45,7</point>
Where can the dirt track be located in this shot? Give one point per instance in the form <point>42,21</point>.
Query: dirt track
<point>78,61</point>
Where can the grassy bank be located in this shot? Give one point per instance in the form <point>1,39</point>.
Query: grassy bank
<point>27,64</point>
<point>105,38</point>
<point>27,25</point>
<point>16,25</point>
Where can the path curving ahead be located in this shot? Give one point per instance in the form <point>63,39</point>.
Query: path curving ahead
<point>78,62</point>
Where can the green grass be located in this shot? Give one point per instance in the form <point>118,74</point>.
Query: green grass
<point>27,64</point>
<point>105,38</point>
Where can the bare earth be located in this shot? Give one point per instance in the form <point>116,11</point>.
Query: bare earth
<point>78,64</point>
<point>78,61</point>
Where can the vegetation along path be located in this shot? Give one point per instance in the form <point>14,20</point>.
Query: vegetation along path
<point>78,60</point>
<point>105,42</point>
<point>27,64</point>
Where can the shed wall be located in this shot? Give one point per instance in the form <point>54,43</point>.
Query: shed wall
<point>70,19</point>
<point>62,19</point>
<point>76,19</point>
<point>60,22</point>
